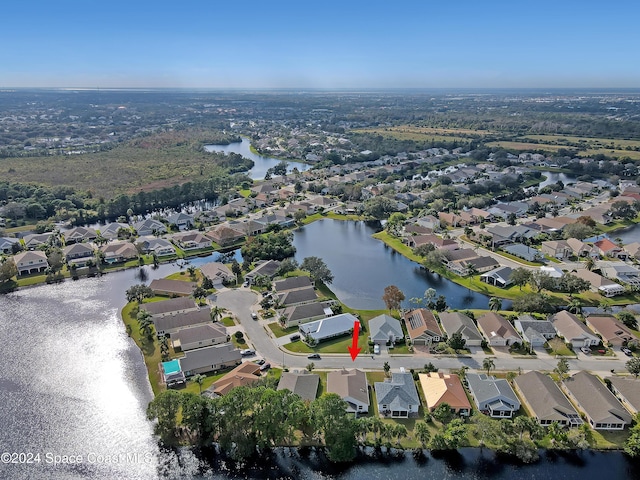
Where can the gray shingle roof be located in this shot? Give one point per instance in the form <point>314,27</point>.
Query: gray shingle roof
<point>488,389</point>
<point>382,327</point>
<point>302,383</point>
<point>596,399</point>
<point>545,398</point>
<point>399,393</point>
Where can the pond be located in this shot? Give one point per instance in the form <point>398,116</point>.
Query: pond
<point>262,163</point>
<point>363,266</point>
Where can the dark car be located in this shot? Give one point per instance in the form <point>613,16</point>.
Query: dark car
<point>265,366</point>
<point>313,356</point>
<point>294,337</point>
<point>261,361</point>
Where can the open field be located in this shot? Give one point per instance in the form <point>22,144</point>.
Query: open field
<point>422,134</point>
<point>591,141</point>
<point>514,145</point>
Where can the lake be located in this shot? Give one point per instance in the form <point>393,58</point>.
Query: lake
<point>554,177</point>
<point>363,266</point>
<point>262,163</point>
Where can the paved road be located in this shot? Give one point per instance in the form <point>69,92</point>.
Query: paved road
<point>243,301</point>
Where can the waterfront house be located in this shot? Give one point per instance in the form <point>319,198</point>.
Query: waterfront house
<point>422,327</point>
<point>612,330</point>
<point>535,332</point>
<point>326,328</point>
<point>582,249</point>
<point>601,408</point>
<point>291,283</point>
<point>478,264</point>
<point>119,251</point>
<point>297,296</point>
<point>633,249</point>
<point>498,330</point>
<point>78,254</point>
<point>31,262</point>
<point>245,374</point>
<point>607,248</point>
<point>191,240</point>
<point>456,322</point>
<point>384,329</point>
<point>439,388</point>
<point>224,235</point>
<point>397,397</point>
<point>170,307</point>
<point>169,324</point>
<point>111,230</point>
<point>218,273</point>
<point>160,246</point>
<point>303,383</point>
<point>268,268</point>
<point>622,272</point>
<point>352,386</point>
<point>545,401</point>
<point>627,390</point>
<point>199,336</point>
<point>573,330</point>
<point>210,359</point>
<point>304,313</point>
<point>149,226</point>
<point>181,220</point>
<point>172,288</point>
<point>499,277</point>
<point>7,245</point>
<point>600,284</point>
<point>493,396</point>
<point>35,240</point>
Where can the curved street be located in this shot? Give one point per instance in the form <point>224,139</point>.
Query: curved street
<point>242,301</point>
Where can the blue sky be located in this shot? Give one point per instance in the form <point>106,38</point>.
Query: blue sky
<point>327,44</point>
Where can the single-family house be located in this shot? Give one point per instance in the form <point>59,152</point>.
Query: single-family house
<point>182,220</point>
<point>170,307</point>
<point>34,240</point>
<point>200,336</point>
<point>160,246</point>
<point>218,273</point>
<point>172,375</point>
<point>268,268</point>
<point>304,313</point>
<point>303,383</point>
<point>525,252</point>
<point>291,283</point>
<point>297,296</point>
<point>149,226</point>
<point>172,288</point>
<point>439,388</point>
<point>79,234</point>
<point>498,330</point>
<point>622,272</point>
<point>352,386</point>
<point>78,254</point>
<point>191,240</point>
<point>422,327</point>
<point>559,249</point>
<point>112,230</point>
<point>224,235</point>
<point>499,277</point>
<point>612,330</point>
<point>633,249</point>
<point>573,330</point>
<point>456,322</point>
<point>607,248</point>
<point>397,397</point>
<point>545,401</point>
<point>602,409</point>
<point>535,332</point>
<point>326,328</point>
<point>582,249</point>
<point>210,359</point>
<point>31,262</point>
<point>167,325</point>
<point>429,239</point>
<point>479,264</point>
<point>119,251</point>
<point>7,245</point>
<point>245,374</point>
<point>493,396</point>
<point>600,284</point>
<point>627,390</point>
<point>385,329</point>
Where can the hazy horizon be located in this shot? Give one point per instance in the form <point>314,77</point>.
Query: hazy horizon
<point>334,45</point>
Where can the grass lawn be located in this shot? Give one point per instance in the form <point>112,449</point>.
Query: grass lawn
<point>555,346</point>
<point>239,344</point>
<point>335,345</point>
<point>149,347</point>
<point>278,331</point>
<point>228,322</point>
<point>603,440</point>
<point>398,246</point>
<point>184,276</point>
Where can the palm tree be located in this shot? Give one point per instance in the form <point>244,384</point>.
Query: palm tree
<point>605,306</point>
<point>589,263</point>
<point>575,306</point>
<point>199,379</point>
<point>495,303</point>
<point>387,368</point>
<point>488,365</point>
<point>216,313</point>
<point>471,272</point>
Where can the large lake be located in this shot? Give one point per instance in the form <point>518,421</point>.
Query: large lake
<point>363,267</point>
<point>262,163</point>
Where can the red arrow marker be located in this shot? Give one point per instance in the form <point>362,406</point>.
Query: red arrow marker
<point>354,350</point>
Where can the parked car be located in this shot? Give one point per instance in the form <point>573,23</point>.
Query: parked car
<point>261,361</point>
<point>585,350</point>
<point>313,356</point>
<point>246,283</point>
<point>265,366</point>
<point>376,349</point>
<point>627,351</point>
<point>254,315</point>
<point>294,337</point>
<point>247,352</point>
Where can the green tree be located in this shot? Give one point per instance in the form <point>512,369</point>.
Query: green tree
<point>8,270</point>
<point>318,270</point>
<point>572,284</point>
<point>145,323</point>
<point>495,303</point>
<point>562,369</point>
<point>421,433</point>
<point>164,407</point>
<point>379,207</point>
<point>199,379</point>
<point>632,444</point>
<point>520,276</point>
<point>216,313</point>
<point>393,297</point>
<point>387,369</point>
<point>589,263</point>
<point>633,366</point>
<point>199,293</point>
<point>453,436</point>
<point>329,417</point>
<point>575,306</point>
<point>488,365</point>
<point>288,265</point>
<point>138,293</point>
<point>456,341</point>
<point>207,284</point>
<point>628,318</point>
<point>443,413</point>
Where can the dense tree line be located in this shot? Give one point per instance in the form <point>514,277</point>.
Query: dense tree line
<point>269,246</point>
